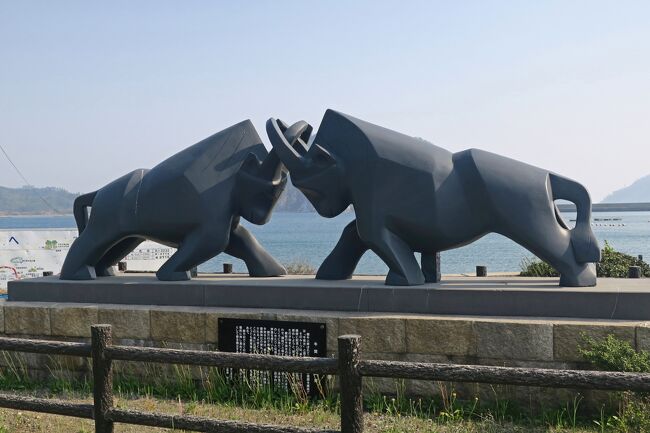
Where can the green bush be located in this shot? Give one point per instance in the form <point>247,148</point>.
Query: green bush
<point>300,268</point>
<point>612,264</point>
<point>616,264</point>
<point>537,268</point>
<point>612,354</point>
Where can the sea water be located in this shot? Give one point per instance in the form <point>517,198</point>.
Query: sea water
<point>308,238</point>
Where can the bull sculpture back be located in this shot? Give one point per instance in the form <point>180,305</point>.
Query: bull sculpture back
<point>192,201</point>
<point>412,196</point>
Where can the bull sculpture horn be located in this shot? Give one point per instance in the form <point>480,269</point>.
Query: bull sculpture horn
<point>272,168</point>
<point>283,142</point>
<point>300,145</point>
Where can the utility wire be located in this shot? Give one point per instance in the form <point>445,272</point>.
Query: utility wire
<point>22,176</point>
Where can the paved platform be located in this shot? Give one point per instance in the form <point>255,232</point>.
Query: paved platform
<point>618,299</point>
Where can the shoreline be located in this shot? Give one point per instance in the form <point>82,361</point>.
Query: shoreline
<point>564,208</point>
<point>33,215</point>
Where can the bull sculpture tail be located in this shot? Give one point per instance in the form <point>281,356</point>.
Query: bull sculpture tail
<point>80,209</point>
<point>584,243</point>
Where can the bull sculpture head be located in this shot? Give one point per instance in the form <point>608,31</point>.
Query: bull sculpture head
<point>315,171</point>
<point>259,186</point>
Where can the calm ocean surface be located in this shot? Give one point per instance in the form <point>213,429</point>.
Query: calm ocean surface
<point>307,237</point>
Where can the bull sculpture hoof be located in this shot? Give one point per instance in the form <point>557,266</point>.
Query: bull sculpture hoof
<point>105,272</point>
<point>412,196</point>
<point>83,273</point>
<point>395,279</point>
<point>267,270</point>
<point>586,277</point>
<point>174,276</point>
<point>192,201</point>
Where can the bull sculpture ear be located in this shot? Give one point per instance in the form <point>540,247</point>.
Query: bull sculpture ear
<point>321,157</point>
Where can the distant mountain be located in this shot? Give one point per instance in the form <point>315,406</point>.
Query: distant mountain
<point>34,201</point>
<point>292,200</point>
<point>29,200</point>
<point>638,192</point>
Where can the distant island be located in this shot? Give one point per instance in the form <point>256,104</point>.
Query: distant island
<point>638,192</point>
<point>292,200</point>
<point>30,200</point>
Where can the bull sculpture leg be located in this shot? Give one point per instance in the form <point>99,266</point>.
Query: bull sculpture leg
<point>553,245</point>
<point>89,248</point>
<point>341,262</point>
<point>104,268</point>
<point>404,270</point>
<point>197,247</point>
<point>570,252</point>
<point>344,258</point>
<point>430,263</point>
<point>244,246</point>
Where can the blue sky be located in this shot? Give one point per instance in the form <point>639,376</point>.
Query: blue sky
<point>92,90</point>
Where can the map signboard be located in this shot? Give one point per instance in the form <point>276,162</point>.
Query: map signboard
<point>29,253</point>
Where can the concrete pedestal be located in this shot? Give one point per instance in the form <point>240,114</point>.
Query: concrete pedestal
<point>618,299</point>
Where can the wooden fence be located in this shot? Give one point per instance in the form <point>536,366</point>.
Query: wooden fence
<point>349,368</point>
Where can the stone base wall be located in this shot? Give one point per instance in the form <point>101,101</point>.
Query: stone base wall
<point>545,343</point>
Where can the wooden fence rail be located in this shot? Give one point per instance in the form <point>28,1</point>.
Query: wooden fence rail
<point>543,377</point>
<point>349,368</point>
<point>321,366</point>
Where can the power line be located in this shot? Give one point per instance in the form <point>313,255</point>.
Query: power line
<point>22,176</point>
<point>14,166</point>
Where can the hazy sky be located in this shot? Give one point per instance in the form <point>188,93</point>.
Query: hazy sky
<point>91,90</point>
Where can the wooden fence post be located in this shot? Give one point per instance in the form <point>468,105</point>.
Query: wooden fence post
<point>101,337</point>
<point>351,384</point>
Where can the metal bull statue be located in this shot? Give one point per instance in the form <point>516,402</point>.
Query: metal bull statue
<point>412,196</point>
<point>192,201</point>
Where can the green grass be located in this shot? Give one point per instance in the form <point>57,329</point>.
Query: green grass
<point>209,386</point>
<point>194,387</point>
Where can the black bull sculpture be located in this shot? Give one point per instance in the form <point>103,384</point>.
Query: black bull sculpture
<point>412,196</point>
<point>192,201</point>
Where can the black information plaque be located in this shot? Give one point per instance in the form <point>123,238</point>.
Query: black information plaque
<point>272,337</point>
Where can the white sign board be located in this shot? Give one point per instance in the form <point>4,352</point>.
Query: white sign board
<point>29,253</point>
